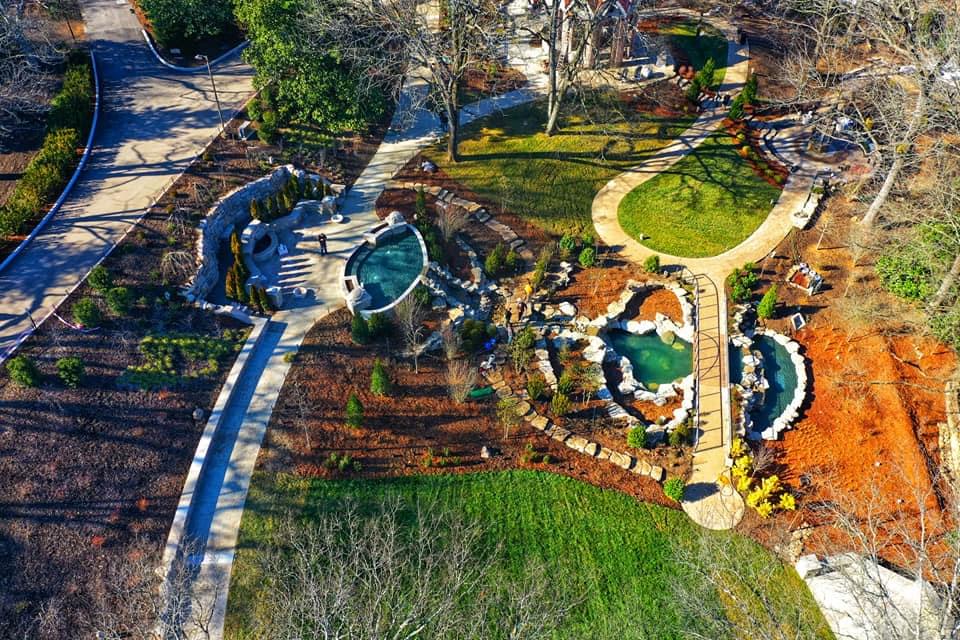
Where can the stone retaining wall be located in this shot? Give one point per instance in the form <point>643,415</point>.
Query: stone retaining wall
<point>220,222</point>
<point>950,430</point>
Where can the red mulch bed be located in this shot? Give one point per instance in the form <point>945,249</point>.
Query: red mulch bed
<point>877,390</point>
<point>89,478</point>
<point>399,429</point>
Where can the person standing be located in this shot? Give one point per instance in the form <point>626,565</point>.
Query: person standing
<point>507,320</point>
<point>322,239</point>
<point>521,308</point>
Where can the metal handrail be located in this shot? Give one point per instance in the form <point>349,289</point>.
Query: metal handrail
<point>694,279</point>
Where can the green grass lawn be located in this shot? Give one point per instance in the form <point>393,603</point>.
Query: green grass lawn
<point>707,203</point>
<point>552,181</point>
<point>615,553</point>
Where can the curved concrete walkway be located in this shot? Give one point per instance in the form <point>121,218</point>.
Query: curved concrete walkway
<point>215,503</point>
<point>153,122</point>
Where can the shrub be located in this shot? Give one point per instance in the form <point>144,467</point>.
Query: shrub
<point>679,436</point>
<point>560,404</point>
<point>423,296</point>
<point>567,244</point>
<point>359,329</point>
<point>521,349</point>
<point>420,204</point>
<point>119,300</point>
<point>495,261</point>
<point>86,313</point>
<point>379,325</point>
<point>750,88</point>
<point>474,333</point>
<point>23,371</point>
<point>637,438</point>
<point>536,386</point>
<point>354,411</point>
<point>693,91</point>
<point>512,262</point>
<point>707,75</point>
<point>566,382</point>
<point>177,22</point>
<point>588,257</point>
<point>70,370</point>
<point>379,379</point>
<point>652,264</point>
<point>673,489</point>
<point>742,281</point>
<point>905,274</point>
<point>768,304</point>
<point>268,127</point>
<point>736,108</point>
<point>100,279</point>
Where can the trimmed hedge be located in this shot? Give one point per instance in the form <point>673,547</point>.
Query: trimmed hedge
<point>183,22</point>
<point>50,170</point>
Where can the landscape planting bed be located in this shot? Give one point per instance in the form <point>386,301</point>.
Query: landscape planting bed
<point>89,478</point>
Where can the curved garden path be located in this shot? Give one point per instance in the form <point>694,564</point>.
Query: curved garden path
<point>153,122</point>
<point>712,505</point>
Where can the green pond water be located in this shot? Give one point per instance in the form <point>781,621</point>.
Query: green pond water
<point>654,361</point>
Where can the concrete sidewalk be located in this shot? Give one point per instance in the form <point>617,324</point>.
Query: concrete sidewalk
<point>153,121</point>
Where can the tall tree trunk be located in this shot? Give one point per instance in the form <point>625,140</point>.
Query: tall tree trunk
<point>453,136</point>
<point>946,285</point>
<point>899,160</point>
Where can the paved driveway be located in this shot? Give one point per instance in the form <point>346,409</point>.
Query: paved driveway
<point>153,121</point>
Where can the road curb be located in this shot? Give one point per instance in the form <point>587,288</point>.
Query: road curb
<point>168,65</point>
<point>73,179</point>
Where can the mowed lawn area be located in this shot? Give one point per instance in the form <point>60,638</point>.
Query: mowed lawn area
<point>615,556</point>
<point>707,203</point>
<point>552,180</point>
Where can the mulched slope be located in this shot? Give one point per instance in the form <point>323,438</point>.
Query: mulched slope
<point>399,429</point>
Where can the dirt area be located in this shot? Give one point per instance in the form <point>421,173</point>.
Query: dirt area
<point>399,430</point>
<point>877,389</point>
<point>89,478</point>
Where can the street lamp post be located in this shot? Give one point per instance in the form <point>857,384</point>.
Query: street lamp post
<point>206,59</point>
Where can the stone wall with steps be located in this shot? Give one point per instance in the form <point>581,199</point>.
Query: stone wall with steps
<point>565,436</point>
<point>475,210</point>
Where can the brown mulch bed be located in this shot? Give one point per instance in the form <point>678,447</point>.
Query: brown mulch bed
<point>399,429</point>
<point>89,478</point>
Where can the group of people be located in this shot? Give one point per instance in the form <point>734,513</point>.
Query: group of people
<point>508,317</point>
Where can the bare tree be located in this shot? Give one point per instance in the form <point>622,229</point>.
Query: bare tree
<point>410,315</point>
<point>131,600</point>
<point>401,39</point>
<point>28,52</point>
<point>349,576</point>
<point>860,534</point>
<point>451,341</point>
<point>894,102</point>
<point>573,34</point>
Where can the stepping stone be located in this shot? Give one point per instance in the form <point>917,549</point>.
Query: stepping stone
<point>642,468</point>
<point>578,443</point>
<point>592,449</point>
<point>559,433</point>
<point>482,216</point>
<point>504,392</point>
<point>540,423</point>
<point>493,376</point>
<point>656,473</point>
<point>519,242</point>
<point>622,460</point>
<point>499,384</point>
<point>523,408</point>
<point>527,255</point>
<point>604,453</point>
